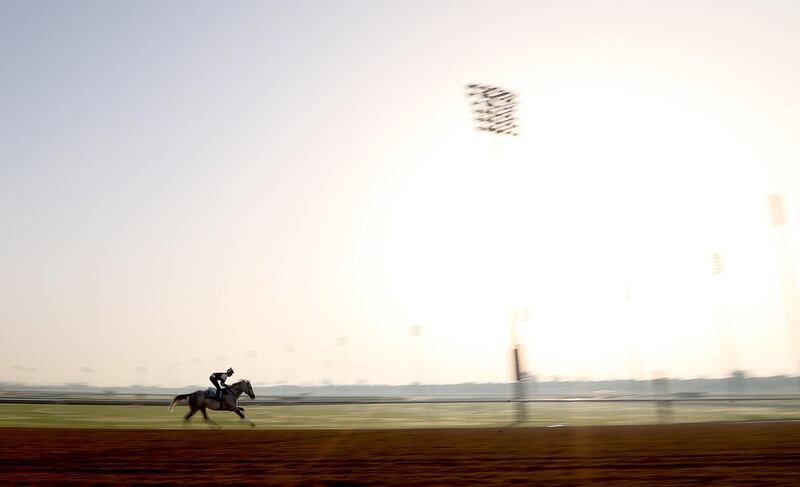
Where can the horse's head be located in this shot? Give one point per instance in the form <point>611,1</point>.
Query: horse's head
<point>248,389</point>
<point>243,387</point>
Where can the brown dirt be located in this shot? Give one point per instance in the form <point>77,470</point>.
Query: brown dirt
<point>708,454</point>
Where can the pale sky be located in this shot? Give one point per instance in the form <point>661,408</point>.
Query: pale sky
<point>187,186</point>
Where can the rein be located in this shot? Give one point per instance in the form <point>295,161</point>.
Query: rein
<point>237,388</point>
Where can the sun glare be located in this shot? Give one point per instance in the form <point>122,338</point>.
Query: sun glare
<point>622,179</point>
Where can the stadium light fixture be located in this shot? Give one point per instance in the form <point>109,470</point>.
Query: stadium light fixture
<point>495,109</point>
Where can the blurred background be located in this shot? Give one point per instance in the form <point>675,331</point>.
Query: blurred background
<point>299,191</point>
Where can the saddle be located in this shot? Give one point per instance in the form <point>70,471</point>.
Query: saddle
<point>211,393</point>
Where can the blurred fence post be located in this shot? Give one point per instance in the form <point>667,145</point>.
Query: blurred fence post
<point>663,402</point>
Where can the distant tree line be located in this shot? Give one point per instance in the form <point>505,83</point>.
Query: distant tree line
<point>739,383</point>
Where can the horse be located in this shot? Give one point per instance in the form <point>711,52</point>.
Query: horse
<point>206,399</point>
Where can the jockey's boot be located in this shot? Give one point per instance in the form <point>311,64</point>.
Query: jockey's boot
<point>221,398</point>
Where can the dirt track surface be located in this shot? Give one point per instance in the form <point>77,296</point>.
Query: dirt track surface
<point>721,454</point>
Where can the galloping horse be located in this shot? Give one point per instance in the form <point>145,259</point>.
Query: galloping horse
<point>206,399</point>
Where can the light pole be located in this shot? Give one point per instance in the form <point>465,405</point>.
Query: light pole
<point>341,344</point>
<point>635,357</point>
<point>415,332</point>
<point>289,350</point>
<point>727,337</point>
<point>141,374</point>
<point>785,262</point>
<point>517,317</point>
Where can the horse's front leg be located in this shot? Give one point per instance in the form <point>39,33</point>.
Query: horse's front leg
<point>240,412</point>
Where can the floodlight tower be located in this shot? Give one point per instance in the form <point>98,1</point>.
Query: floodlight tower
<point>495,111</point>
<point>786,272</point>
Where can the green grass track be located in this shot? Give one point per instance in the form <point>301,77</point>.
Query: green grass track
<point>349,416</point>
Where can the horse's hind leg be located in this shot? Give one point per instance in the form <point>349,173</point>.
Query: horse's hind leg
<point>191,413</point>
<point>205,416</point>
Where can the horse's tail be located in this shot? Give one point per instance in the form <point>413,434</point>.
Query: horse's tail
<point>179,400</point>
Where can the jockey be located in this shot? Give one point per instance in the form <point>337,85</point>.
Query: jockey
<point>218,378</point>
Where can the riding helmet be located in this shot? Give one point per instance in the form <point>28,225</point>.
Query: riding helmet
<point>230,371</point>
